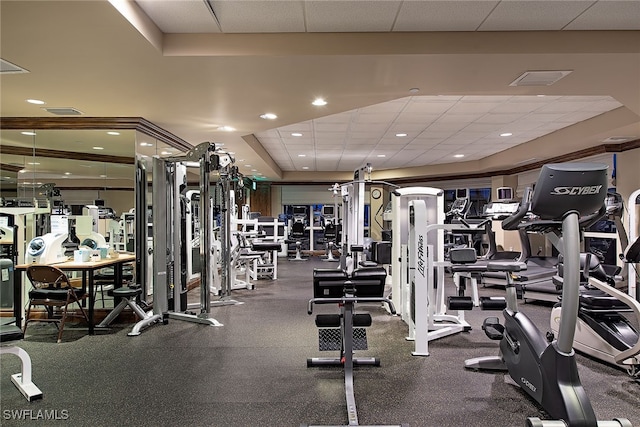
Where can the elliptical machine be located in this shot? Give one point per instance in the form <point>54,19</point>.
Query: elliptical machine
<point>547,371</point>
<point>602,330</point>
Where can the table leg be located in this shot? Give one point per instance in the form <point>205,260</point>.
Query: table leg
<point>17,297</point>
<point>91,302</point>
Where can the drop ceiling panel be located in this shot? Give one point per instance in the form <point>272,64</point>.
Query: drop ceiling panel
<point>516,15</point>
<point>608,15</point>
<point>442,15</point>
<point>174,16</point>
<point>350,16</point>
<point>241,16</point>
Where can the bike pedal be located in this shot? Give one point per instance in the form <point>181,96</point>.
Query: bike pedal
<point>492,328</point>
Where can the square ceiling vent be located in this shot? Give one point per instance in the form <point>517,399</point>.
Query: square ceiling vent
<point>63,111</point>
<point>539,78</point>
<point>7,67</point>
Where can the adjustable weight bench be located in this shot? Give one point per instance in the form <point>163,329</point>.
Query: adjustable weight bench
<point>8,335</point>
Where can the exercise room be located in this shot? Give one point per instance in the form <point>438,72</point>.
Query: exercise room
<point>320,213</point>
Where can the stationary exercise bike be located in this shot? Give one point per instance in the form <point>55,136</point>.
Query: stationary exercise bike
<point>602,330</point>
<point>547,371</point>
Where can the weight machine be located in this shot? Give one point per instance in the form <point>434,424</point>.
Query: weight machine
<point>169,254</point>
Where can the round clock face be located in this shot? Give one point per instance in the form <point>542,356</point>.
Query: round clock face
<point>376,194</point>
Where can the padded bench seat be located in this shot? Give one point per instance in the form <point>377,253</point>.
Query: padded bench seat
<point>266,246</point>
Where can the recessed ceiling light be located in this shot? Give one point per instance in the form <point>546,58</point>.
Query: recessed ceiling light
<point>248,166</point>
<point>305,167</point>
<point>382,155</point>
<point>165,153</point>
<point>401,135</point>
<point>506,134</point>
<point>302,155</point>
<point>319,102</point>
<point>146,144</point>
<point>35,101</point>
<point>296,134</point>
<point>23,171</point>
<point>98,148</point>
<point>226,128</point>
<point>28,133</point>
<point>67,173</point>
<point>33,163</point>
<point>268,116</point>
<point>103,176</point>
<point>113,133</point>
<point>458,155</point>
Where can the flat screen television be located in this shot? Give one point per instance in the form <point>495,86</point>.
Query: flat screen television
<point>462,193</point>
<point>504,193</point>
<point>328,210</point>
<point>299,210</point>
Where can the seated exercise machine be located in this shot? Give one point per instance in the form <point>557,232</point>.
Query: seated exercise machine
<point>345,332</point>
<point>547,371</point>
<point>298,232</point>
<point>603,331</point>
<point>9,334</point>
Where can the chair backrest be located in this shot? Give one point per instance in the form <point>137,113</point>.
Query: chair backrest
<point>47,276</point>
<point>297,230</point>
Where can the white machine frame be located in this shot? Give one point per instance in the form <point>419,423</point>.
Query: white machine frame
<point>400,198</point>
<point>424,291</point>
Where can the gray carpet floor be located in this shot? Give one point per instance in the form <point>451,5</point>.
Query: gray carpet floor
<point>252,371</point>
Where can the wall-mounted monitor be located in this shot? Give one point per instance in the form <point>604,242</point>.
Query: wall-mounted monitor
<point>299,210</point>
<point>462,193</point>
<point>504,193</point>
<point>327,210</point>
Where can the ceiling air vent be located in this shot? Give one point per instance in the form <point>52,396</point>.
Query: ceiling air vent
<point>63,111</point>
<point>7,67</point>
<point>539,78</point>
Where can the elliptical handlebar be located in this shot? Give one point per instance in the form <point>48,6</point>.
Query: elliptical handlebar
<point>512,221</point>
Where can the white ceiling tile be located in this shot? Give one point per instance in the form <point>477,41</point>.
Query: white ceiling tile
<point>432,107</point>
<point>576,117</point>
<point>561,106</point>
<point>608,15</point>
<point>442,15</point>
<point>298,127</point>
<point>602,105</point>
<point>472,107</point>
<point>344,117</point>
<point>330,127</point>
<point>329,148</point>
<point>247,16</point>
<point>499,118</point>
<point>173,16</point>
<point>347,16</point>
<point>416,117</point>
<point>407,127</point>
<point>517,15</point>
<point>459,118</point>
<point>517,107</point>
<point>372,118</point>
<point>368,127</point>
<point>541,117</point>
<point>387,107</point>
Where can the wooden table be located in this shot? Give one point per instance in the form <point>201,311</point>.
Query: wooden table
<point>87,268</point>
